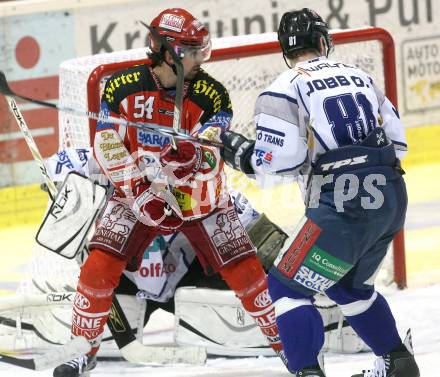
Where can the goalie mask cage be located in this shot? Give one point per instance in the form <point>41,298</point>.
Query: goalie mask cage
<point>245,65</point>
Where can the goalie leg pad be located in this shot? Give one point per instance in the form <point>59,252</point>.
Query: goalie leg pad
<point>248,280</point>
<point>99,277</point>
<point>216,320</point>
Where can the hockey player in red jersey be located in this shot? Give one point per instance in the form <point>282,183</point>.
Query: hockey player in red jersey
<point>159,189</point>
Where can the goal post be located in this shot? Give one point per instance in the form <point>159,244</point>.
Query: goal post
<point>245,65</point>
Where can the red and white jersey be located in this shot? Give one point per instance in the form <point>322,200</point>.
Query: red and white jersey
<point>314,107</point>
<point>126,154</point>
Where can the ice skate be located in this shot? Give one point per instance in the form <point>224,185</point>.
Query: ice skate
<point>79,367</point>
<point>395,364</point>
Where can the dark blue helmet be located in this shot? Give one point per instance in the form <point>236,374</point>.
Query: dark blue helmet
<point>302,30</point>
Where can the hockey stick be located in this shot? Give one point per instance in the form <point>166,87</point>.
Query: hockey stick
<point>31,144</point>
<point>76,347</point>
<point>178,101</point>
<point>131,349</point>
<point>8,92</point>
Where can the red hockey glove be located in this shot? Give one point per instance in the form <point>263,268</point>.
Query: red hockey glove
<point>156,208</point>
<point>182,162</point>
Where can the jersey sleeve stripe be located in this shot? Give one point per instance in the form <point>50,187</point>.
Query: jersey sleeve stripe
<point>278,106</point>
<point>271,131</point>
<point>279,95</point>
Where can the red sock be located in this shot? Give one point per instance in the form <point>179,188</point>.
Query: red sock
<point>248,280</point>
<point>94,294</point>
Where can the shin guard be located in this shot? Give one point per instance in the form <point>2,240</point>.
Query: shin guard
<point>248,280</point>
<point>99,277</point>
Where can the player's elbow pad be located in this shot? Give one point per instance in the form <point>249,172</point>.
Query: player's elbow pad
<point>237,151</point>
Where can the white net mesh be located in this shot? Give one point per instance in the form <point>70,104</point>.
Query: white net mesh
<point>244,78</point>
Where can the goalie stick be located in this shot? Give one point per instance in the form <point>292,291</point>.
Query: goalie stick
<point>76,347</point>
<point>123,335</point>
<point>31,144</point>
<point>8,92</point>
<point>131,349</point>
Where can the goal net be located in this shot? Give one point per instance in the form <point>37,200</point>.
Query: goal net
<point>245,65</point>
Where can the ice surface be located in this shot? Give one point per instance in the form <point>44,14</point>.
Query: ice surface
<point>417,308</point>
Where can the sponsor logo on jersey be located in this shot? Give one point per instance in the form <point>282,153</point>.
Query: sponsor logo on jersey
<point>312,280</point>
<point>263,299</point>
<point>221,119</point>
<point>296,252</point>
<point>83,155</point>
<point>275,140</point>
<point>185,201</point>
<point>63,160</point>
<point>202,87</point>
<point>172,22</point>
<point>84,322</point>
<point>81,301</point>
<point>149,139</point>
<point>118,81</point>
<point>270,136</point>
<point>210,158</point>
<point>157,269</point>
<point>347,162</point>
<point>149,160</point>
<point>326,264</point>
<point>210,133</point>
<point>230,238</point>
<point>266,320</point>
<point>263,157</point>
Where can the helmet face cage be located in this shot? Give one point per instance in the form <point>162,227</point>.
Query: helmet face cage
<point>302,30</point>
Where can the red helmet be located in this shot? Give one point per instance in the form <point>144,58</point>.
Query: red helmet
<point>182,31</point>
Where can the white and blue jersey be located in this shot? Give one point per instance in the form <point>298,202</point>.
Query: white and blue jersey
<point>317,106</point>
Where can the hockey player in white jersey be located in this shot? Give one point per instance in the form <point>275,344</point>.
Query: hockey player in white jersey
<point>328,125</point>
